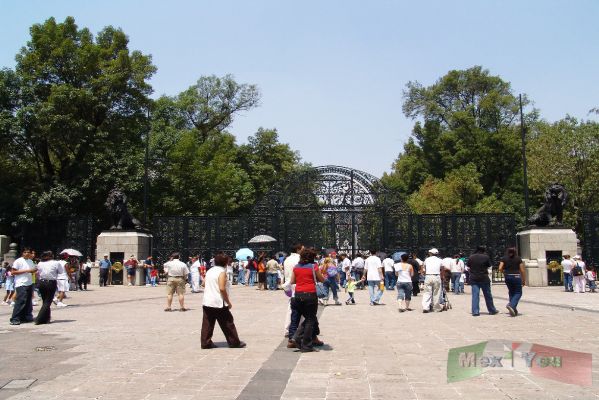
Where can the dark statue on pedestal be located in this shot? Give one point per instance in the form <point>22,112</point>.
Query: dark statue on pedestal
<point>556,198</point>
<point>116,203</point>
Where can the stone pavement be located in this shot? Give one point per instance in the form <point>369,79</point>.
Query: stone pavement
<point>118,343</point>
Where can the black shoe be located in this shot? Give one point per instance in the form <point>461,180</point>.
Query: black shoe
<point>308,350</point>
<point>494,312</point>
<point>425,311</point>
<point>15,322</point>
<point>210,346</point>
<point>241,345</point>
<point>475,315</point>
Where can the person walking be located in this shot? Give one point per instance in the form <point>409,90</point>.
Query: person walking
<point>478,265</point>
<point>241,272</point>
<point>84,270</point>
<point>22,268</point>
<point>272,273</point>
<point>432,282</point>
<point>48,270</point>
<point>567,265</point>
<point>148,266</point>
<point>216,306</point>
<point>290,262</point>
<point>345,264</point>
<point>304,302</point>
<point>578,273</point>
<point>105,264</point>
<point>416,264</point>
<point>373,274</point>
<point>357,267</point>
<point>390,277</point>
<point>456,266</point>
<point>62,281</point>
<point>404,272</point>
<point>177,272</point>
<point>195,274</point>
<point>253,271</point>
<point>330,272</point>
<point>513,269</point>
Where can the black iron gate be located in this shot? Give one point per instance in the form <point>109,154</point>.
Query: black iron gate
<point>334,207</point>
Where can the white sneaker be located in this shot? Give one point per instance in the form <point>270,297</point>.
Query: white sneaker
<point>55,301</point>
<point>34,303</point>
<point>129,284</point>
<point>12,303</point>
<point>61,304</point>
<point>4,303</point>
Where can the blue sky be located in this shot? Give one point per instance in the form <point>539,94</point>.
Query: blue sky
<point>332,72</point>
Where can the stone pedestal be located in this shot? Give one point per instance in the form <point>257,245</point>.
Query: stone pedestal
<point>120,245</point>
<point>536,245</point>
<point>12,254</point>
<point>4,242</point>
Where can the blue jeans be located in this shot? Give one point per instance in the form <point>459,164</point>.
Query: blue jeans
<point>404,291</point>
<point>331,284</point>
<point>374,291</point>
<point>253,275</point>
<point>342,278</point>
<point>148,277</point>
<point>272,280</point>
<point>241,276</point>
<point>514,287</point>
<point>568,282</point>
<point>486,288</point>
<point>455,282</point>
<point>390,280</point>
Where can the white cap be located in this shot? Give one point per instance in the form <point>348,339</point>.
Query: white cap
<point>577,257</point>
<point>433,251</point>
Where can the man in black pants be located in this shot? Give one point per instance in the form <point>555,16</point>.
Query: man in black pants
<point>22,269</point>
<point>416,276</point>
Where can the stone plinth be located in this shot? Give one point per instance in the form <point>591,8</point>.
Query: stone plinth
<point>12,254</point>
<point>129,243</point>
<point>535,244</point>
<point>4,242</point>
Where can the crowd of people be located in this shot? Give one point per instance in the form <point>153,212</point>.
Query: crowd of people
<point>306,276</point>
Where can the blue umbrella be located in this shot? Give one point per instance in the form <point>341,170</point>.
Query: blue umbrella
<point>243,254</point>
<point>397,256</point>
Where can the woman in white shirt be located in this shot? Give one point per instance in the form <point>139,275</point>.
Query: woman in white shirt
<point>404,272</point>
<point>216,305</point>
<point>48,270</point>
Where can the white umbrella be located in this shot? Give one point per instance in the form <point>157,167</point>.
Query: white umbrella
<point>262,239</point>
<point>71,252</point>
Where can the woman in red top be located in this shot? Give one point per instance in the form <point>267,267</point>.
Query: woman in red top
<point>305,301</point>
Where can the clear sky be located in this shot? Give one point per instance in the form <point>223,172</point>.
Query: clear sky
<point>332,72</point>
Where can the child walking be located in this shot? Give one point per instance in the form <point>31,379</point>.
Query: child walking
<point>350,289</point>
<point>9,298</point>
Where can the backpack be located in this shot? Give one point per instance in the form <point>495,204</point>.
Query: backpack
<point>577,271</point>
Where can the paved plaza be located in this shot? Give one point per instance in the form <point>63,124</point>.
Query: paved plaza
<point>118,343</point>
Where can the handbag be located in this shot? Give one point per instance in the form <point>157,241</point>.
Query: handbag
<point>321,291</point>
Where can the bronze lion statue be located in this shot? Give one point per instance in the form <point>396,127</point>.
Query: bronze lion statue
<point>116,203</point>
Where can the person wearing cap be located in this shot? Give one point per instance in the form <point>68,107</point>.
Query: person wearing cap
<point>104,265</point>
<point>567,265</point>
<point>432,282</point>
<point>578,273</point>
<point>479,264</point>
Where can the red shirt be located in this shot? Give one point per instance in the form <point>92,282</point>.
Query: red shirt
<point>304,278</point>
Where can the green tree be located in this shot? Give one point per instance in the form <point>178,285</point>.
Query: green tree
<point>72,113</point>
<point>567,152</point>
<point>467,116</point>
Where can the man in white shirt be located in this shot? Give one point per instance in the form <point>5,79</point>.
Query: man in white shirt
<point>195,274</point>
<point>357,267</point>
<point>567,265</point>
<point>177,272</point>
<point>373,274</point>
<point>345,267</point>
<point>389,267</point>
<point>22,268</point>
<point>456,266</point>
<point>432,281</point>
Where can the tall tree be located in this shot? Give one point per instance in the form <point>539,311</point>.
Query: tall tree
<point>567,152</point>
<point>72,113</point>
<point>467,116</point>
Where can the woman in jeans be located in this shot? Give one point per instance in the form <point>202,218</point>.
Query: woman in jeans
<point>305,302</point>
<point>404,272</point>
<point>515,275</point>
